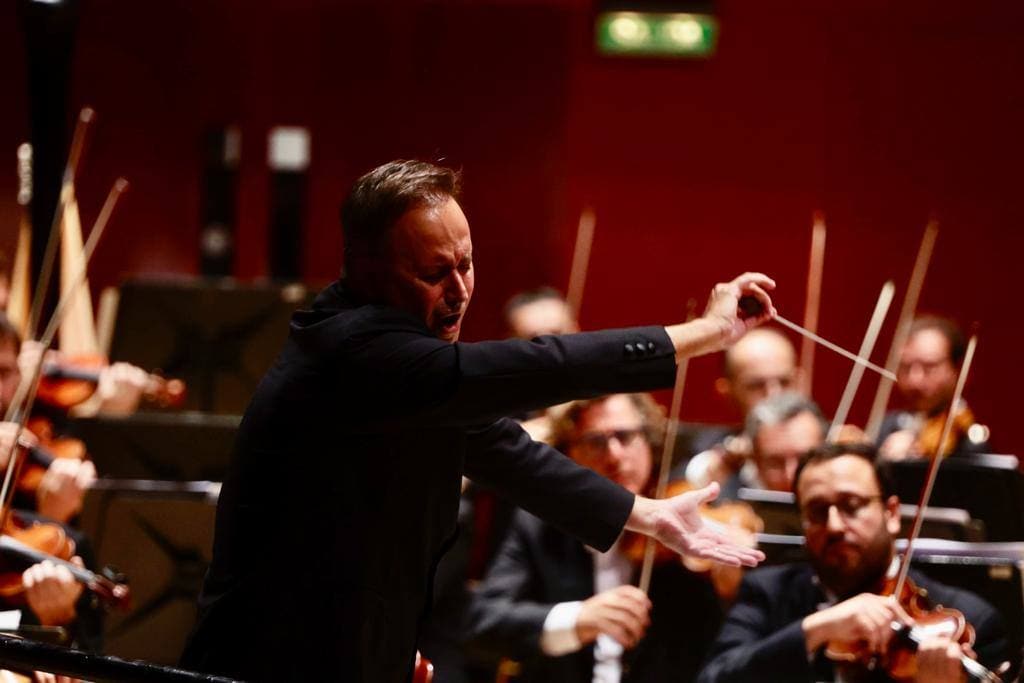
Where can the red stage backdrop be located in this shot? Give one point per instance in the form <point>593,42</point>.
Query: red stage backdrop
<point>878,113</point>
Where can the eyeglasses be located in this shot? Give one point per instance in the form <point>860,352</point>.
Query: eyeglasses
<point>815,513</point>
<point>596,443</point>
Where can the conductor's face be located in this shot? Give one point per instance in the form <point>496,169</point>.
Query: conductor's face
<point>431,262</point>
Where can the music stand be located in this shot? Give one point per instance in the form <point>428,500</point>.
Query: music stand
<point>779,512</point>
<point>160,535</point>
<point>219,336</point>
<point>186,446</point>
<point>989,487</point>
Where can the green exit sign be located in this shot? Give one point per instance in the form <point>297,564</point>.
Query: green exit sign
<point>665,34</point>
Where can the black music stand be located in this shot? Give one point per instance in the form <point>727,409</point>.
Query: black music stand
<point>160,535</point>
<point>186,446</point>
<point>989,487</point>
<point>218,336</point>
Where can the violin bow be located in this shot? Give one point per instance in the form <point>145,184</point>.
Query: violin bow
<point>812,304</point>
<point>667,449</point>
<point>24,398</point>
<point>933,468</point>
<point>866,347</point>
<point>899,340</point>
<point>580,261</point>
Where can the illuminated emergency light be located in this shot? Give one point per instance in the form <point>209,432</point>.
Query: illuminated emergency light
<point>663,34</point>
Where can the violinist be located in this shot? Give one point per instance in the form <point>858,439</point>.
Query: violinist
<point>386,410</point>
<point>61,489</point>
<point>925,378</point>
<point>786,615</point>
<point>760,365</point>
<point>570,613</point>
<point>52,596</point>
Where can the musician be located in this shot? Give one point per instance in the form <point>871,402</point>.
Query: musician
<point>536,312</point>
<point>786,614</point>
<point>781,429</point>
<point>926,378</point>
<point>53,596</point>
<point>760,365</point>
<point>570,613</point>
<point>386,410</point>
<point>484,516</point>
<point>62,488</point>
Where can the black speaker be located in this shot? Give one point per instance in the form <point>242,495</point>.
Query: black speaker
<point>216,335</point>
<point>159,534</point>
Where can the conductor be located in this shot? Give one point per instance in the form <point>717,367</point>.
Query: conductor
<point>344,484</point>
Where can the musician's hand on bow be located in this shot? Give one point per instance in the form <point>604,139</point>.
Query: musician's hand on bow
<point>676,523</point>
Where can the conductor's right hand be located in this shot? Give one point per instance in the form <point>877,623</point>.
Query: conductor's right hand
<point>723,322</point>
<point>622,613</point>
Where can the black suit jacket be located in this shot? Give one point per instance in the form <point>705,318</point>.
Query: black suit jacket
<point>762,638</point>
<point>539,566</point>
<point>344,486</point>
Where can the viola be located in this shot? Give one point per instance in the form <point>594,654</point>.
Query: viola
<point>70,381</point>
<point>28,544</point>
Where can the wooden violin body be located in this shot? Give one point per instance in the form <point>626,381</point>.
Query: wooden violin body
<point>899,661</point>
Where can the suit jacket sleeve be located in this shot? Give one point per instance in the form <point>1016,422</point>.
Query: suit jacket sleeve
<point>538,478</point>
<point>752,648</point>
<point>405,375</point>
<point>504,616</point>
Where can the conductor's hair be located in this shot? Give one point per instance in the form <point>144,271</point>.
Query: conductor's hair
<point>379,198</point>
<point>948,329</point>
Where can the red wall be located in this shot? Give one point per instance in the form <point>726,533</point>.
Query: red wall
<point>880,114</point>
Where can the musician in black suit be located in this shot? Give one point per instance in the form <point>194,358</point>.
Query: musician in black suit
<point>786,615</point>
<point>349,459</point>
<point>568,613</point>
<point>925,381</point>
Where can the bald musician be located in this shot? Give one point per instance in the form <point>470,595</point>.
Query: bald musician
<point>761,365</point>
<point>386,410</point>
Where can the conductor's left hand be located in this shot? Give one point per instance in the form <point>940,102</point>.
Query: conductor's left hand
<point>676,523</point>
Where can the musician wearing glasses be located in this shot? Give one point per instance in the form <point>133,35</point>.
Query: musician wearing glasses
<point>786,615</point>
<point>569,613</point>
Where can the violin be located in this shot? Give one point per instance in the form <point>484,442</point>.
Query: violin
<point>41,455</point>
<point>900,661</point>
<point>72,380</point>
<point>930,432</point>
<point>34,542</point>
